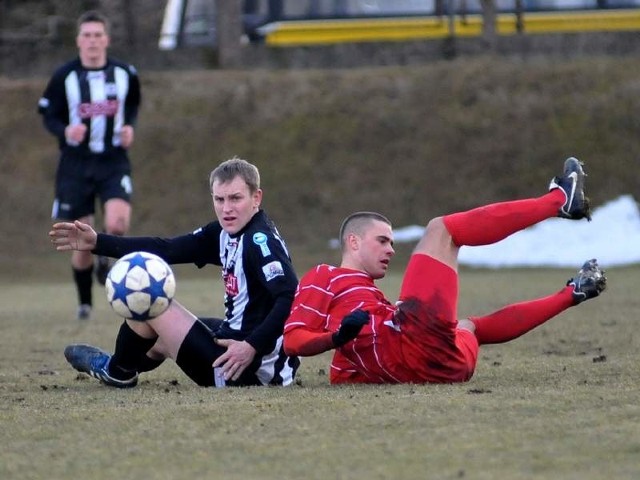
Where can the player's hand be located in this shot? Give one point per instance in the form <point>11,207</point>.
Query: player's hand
<point>236,359</point>
<point>75,133</point>
<point>126,136</point>
<point>350,327</point>
<point>73,236</point>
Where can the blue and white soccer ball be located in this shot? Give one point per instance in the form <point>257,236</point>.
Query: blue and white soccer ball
<point>140,286</point>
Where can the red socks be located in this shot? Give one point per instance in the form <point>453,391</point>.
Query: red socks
<point>490,224</point>
<point>495,222</point>
<point>514,320</point>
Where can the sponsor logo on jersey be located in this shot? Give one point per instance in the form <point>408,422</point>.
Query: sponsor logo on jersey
<point>106,107</point>
<point>272,270</point>
<point>230,284</point>
<point>260,239</point>
<point>96,75</point>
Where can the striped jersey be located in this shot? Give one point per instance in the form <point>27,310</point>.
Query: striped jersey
<point>103,99</point>
<point>258,276</point>
<point>325,295</point>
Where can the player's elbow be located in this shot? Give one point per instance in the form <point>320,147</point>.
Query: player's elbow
<point>303,343</point>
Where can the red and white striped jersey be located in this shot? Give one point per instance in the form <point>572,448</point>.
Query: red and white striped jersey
<point>325,295</point>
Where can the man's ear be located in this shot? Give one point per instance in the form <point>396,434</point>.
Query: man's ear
<point>354,241</point>
<point>257,198</point>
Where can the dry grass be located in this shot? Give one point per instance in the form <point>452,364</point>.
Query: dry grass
<point>560,402</point>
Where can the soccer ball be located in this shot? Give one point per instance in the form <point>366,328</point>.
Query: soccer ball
<point>140,286</point>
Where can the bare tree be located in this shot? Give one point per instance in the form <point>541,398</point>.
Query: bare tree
<point>489,17</point>
<point>519,8</point>
<point>229,32</point>
<point>130,26</point>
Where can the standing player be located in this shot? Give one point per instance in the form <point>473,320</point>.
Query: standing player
<point>90,105</point>
<point>259,286</point>
<point>419,339</point>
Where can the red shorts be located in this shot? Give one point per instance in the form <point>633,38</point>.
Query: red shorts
<point>428,345</point>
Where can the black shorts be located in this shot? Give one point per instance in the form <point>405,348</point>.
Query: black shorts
<point>198,352</point>
<point>83,178</point>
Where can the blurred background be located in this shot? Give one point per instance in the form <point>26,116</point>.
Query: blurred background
<point>413,108</point>
<point>281,33</point>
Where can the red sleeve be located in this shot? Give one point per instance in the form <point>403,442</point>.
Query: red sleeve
<point>305,343</point>
<point>306,331</point>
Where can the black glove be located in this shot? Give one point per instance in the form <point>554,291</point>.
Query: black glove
<point>350,327</point>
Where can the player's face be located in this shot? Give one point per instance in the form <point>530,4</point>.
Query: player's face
<point>92,42</point>
<point>234,204</point>
<point>374,249</point>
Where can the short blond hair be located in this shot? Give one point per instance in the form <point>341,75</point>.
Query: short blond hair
<point>236,167</point>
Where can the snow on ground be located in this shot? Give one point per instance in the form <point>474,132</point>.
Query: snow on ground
<point>613,237</point>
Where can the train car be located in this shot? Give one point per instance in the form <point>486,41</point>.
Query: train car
<point>288,23</point>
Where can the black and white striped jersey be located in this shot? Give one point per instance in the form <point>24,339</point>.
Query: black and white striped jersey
<point>103,99</point>
<point>258,276</point>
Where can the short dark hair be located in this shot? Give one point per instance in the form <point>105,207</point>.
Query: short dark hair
<point>236,167</point>
<point>356,223</point>
<point>93,16</point>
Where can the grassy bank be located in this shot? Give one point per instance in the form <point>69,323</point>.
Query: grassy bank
<point>411,142</point>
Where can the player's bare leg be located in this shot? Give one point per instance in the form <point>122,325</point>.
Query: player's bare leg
<point>117,218</point>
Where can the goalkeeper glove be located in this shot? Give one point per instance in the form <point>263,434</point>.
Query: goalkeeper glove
<point>350,327</point>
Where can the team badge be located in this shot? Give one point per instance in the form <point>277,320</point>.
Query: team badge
<point>260,239</point>
<point>110,89</point>
<point>272,270</point>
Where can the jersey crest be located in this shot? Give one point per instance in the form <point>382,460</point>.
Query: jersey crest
<point>260,239</point>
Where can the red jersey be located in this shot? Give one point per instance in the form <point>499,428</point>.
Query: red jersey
<point>415,342</point>
<point>325,295</point>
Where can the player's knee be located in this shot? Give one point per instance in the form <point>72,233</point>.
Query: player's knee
<point>436,242</point>
<point>436,227</point>
<point>117,216</point>
<point>466,324</point>
<point>159,351</point>
<point>118,226</point>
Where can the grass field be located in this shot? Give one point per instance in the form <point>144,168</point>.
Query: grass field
<point>563,402</point>
<point>560,402</point>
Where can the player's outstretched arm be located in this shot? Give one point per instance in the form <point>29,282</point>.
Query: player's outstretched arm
<point>305,342</point>
<point>73,236</point>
